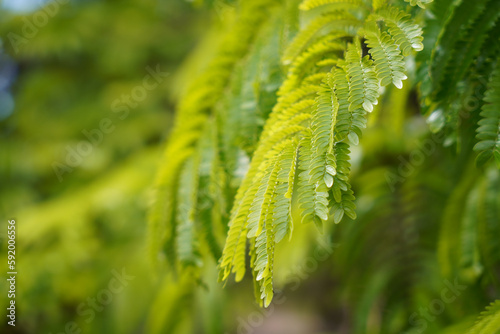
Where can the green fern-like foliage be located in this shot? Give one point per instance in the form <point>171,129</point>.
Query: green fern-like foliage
<point>458,72</point>
<point>304,149</point>
<point>420,3</point>
<point>195,150</point>
<point>303,120</point>
<point>336,66</point>
<point>264,137</point>
<point>488,131</point>
<point>488,321</point>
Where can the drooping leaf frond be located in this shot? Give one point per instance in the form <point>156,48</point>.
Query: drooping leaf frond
<point>461,58</point>
<point>389,64</point>
<point>488,131</point>
<point>320,113</point>
<point>271,145</point>
<point>405,33</point>
<point>173,215</point>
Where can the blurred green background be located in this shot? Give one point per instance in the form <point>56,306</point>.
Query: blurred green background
<point>66,68</point>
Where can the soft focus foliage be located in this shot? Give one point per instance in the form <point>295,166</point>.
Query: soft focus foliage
<point>74,231</point>
<point>340,157</point>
